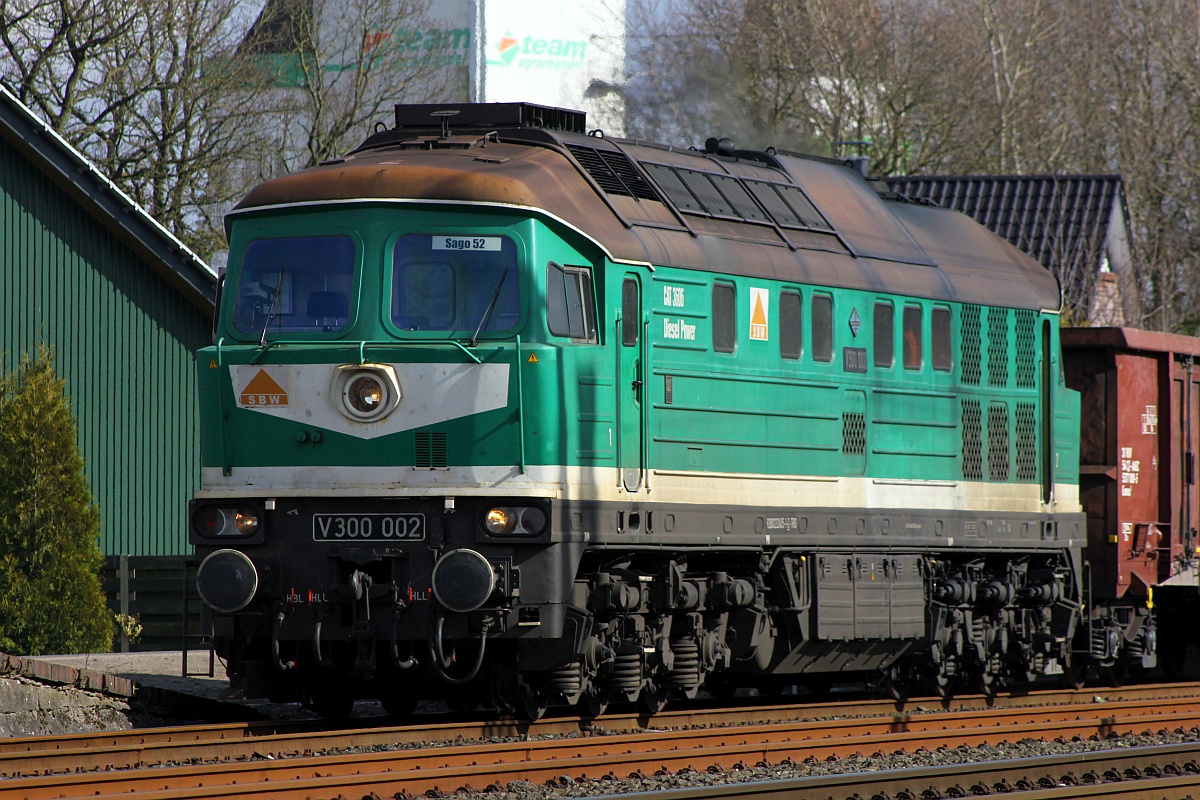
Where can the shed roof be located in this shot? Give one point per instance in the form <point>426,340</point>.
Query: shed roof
<point>1054,218</point>
<point>103,199</point>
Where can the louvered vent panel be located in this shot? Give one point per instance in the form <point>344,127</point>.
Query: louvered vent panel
<point>1026,442</point>
<point>972,440</point>
<point>854,433</point>
<point>614,173</point>
<point>997,319</point>
<point>971,356</point>
<point>1026,349</point>
<point>998,452</point>
<point>429,450</point>
<point>629,175</point>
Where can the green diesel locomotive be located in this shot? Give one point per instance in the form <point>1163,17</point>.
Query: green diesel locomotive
<point>505,412</point>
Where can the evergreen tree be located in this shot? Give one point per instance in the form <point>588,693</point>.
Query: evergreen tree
<point>51,599</point>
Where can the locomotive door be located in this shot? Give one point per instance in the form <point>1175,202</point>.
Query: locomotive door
<point>630,386</point>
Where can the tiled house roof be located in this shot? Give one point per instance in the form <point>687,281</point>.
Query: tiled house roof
<point>1075,225</point>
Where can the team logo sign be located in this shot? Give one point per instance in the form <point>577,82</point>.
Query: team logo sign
<point>759,303</point>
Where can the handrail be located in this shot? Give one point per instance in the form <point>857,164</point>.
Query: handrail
<point>362,345</point>
<point>520,406</point>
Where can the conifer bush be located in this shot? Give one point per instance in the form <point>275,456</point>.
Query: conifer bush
<point>51,598</point>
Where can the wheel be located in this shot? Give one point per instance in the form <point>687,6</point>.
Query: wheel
<point>531,704</point>
<point>1172,657</point>
<point>594,702</point>
<point>1113,674</point>
<point>1075,671</point>
<point>333,704</point>
<point>652,700</point>
<point>399,704</point>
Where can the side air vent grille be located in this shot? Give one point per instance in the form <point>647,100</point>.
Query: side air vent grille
<point>1026,349</point>
<point>971,357</point>
<point>972,440</point>
<point>1026,442</point>
<point>614,173</point>
<point>429,450</point>
<point>997,319</point>
<point>998,455</point>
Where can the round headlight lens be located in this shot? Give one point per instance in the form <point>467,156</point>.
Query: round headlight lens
<point>499,520</point>
<point>246,522</point>
<point>533,520</point>
<point>365,395</point>
<point>211,522</point>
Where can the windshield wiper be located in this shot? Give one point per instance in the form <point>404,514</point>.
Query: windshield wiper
<point>488,312</point>
<point>271,311</point>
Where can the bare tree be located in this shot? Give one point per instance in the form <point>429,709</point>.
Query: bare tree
<point>344,65</point>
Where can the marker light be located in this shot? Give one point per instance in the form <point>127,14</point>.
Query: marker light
<point>515,521</point>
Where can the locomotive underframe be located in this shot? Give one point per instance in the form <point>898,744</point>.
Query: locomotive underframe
<point>582,618</point>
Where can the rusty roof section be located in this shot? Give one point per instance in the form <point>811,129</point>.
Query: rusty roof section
<point>629,198</point>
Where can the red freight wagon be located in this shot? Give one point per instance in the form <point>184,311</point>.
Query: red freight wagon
<point>1140,431</point>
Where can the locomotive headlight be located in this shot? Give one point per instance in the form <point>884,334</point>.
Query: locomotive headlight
<point>463,580</point>
<point>214,522</point>
<point>515,521</point>
<point>365,392</point>
<point>227,580</point>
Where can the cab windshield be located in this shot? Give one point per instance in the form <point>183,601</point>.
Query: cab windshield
<point>299,284</point>
<point>455,283</point>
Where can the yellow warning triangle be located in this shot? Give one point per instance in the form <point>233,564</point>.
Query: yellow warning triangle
<point>533,359</point>
<point>758,316</point>
<point>212,363</point>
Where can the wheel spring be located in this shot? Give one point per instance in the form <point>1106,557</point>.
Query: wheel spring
<point>1099,648</point>
<point>566,680</point>
<point>686,672</point>
<point>625,671</point>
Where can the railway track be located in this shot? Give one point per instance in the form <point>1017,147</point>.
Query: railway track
<point>265,761</point>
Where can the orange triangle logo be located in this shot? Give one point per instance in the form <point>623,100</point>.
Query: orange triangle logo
<point>758,316</point>
<point>262,390</point>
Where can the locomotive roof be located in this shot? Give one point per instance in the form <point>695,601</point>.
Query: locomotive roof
<point>811,220</point>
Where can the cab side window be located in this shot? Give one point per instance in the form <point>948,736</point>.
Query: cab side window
<point>570,309</point>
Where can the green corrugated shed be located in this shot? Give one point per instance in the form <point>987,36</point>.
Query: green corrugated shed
<point>124,305</point>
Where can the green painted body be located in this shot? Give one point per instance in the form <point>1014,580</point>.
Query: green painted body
<point>749,412</point>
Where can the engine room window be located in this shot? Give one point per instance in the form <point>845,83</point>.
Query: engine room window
<point>455,283</point>
<point>299,284</point>
<point>569,306</point>
<point>724,318</point>
<point>912,338</point>
<point>822,327</point>
<point>885,335</point>
<point>943,360</point>
<point>791,334</point>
